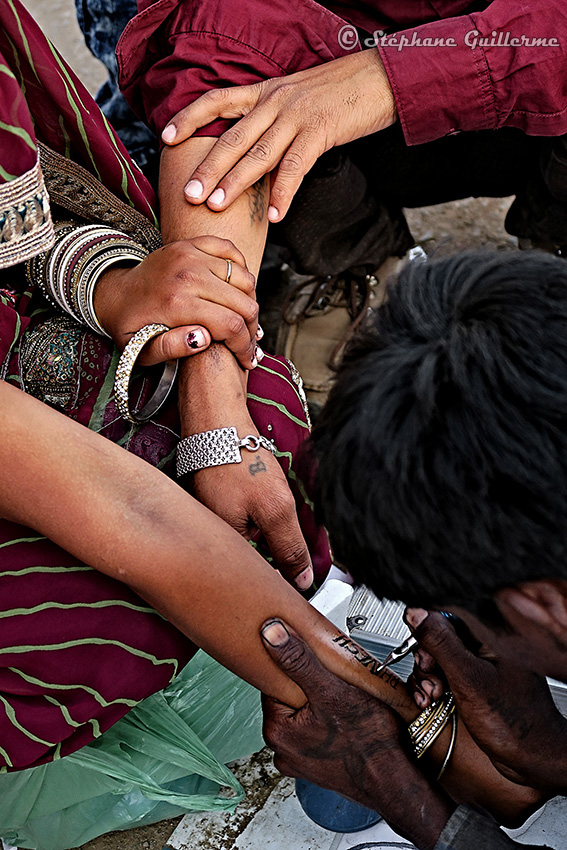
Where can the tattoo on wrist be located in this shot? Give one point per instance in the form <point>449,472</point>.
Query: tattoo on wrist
<point>368,661</point>
<point>257,467</point>
<point>257,202</point>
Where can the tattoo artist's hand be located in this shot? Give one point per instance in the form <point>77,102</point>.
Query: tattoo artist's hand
<point>288,123</point>
<point>508,710</point>
<point>183,285</point>
<point>348,741</point>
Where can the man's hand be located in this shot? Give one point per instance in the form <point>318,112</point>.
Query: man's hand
<point>183,285</point>
<point>508,710</point>
<point>289,122</point>
<point>350,742</point>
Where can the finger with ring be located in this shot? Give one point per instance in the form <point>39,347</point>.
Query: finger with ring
<point>228,270</point>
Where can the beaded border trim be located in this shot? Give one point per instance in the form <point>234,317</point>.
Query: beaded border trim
<point>26,227</point>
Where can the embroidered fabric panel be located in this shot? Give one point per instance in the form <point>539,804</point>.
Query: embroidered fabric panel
<point>26,227</point>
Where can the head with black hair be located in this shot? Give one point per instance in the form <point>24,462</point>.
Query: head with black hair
<point>443,446</point>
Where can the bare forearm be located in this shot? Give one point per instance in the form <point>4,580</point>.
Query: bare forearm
<point>121,516</point>
<point>245,224</point>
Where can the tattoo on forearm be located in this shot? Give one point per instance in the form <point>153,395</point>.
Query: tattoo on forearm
<point>366,660</point>
<point>257,467</point>
<point>257,201</point>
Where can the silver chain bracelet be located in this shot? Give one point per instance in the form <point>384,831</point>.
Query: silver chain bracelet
<point>216,448</point>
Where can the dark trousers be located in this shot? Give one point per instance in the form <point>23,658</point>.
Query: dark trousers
<point>348,212</point>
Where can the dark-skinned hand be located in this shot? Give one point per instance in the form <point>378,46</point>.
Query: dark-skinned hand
<point>508,710</point>
<point>347,741</point>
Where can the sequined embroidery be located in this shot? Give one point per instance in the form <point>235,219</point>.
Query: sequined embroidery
<point>49,359</point>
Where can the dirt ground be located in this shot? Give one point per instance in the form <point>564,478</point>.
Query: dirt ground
<point>470,223</point>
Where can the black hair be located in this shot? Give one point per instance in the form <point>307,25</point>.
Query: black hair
<point>443,446</point>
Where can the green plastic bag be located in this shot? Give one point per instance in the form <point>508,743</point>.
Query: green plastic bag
<point>166,757</point>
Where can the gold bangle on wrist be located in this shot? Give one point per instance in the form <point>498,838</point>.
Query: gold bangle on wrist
<point>428,725</point>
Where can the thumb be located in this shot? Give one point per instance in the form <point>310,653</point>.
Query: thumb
<point>295,658</point>
<point>438,637</point>
<point>175,344</point>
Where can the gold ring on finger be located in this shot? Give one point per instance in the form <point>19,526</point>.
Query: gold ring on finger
<point>228,270</point>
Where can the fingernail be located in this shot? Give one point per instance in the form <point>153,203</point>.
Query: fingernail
<point>275,634</point>
<point>254,362</point>
<point>305,579</point>
<point>196,339</point>
<point>194,189</point>
<point>259,332</point>
<point>258,354</point>
<point>169,132</point>
<point>419,699</point>
<point>415,616</point>
<point>217,197</point>
<point>427,687</point>
<point>273,213</point>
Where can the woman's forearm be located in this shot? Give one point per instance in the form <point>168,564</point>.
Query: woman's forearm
<point>123,517</point>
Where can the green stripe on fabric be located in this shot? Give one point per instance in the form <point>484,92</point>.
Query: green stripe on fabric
<point>300,485</point>
<point>64,711</point>
<point>57,753</point>
<point>121,162</point>
<point>14,130</point>
<point>21,540</point>
<point>44,569</point>
<point>11,715</point>
<point>165,460</point>
<point>7,759</point>
<point>125,164</point>
<point>71,644</point>
<point>66,136</point>
<point>24,39</point>
<point>97,417</point>
<point>271,403</point>
<point>98,697</point>
<point>68,83</point>
<point>5,175</point>
<point>5,70</point>
<point>16,54</point>
<point>69,606</point>
<point>279,375</point>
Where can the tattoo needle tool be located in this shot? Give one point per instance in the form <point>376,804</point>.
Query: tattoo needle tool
<point>398,653</point>
<point>409,645</point>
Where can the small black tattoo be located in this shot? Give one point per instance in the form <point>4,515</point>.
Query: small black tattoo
<point>366,660</point>
<point>259,466</point>
<point>257,201</point>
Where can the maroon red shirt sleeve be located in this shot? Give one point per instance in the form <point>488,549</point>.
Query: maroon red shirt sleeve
<point>516,78</point>
<point>451,71</point>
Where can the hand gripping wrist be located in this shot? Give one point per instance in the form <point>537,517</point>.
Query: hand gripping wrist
<point>216,448</point>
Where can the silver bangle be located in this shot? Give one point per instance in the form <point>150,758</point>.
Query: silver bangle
<point>216,448</point>
<point>124,372</point>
